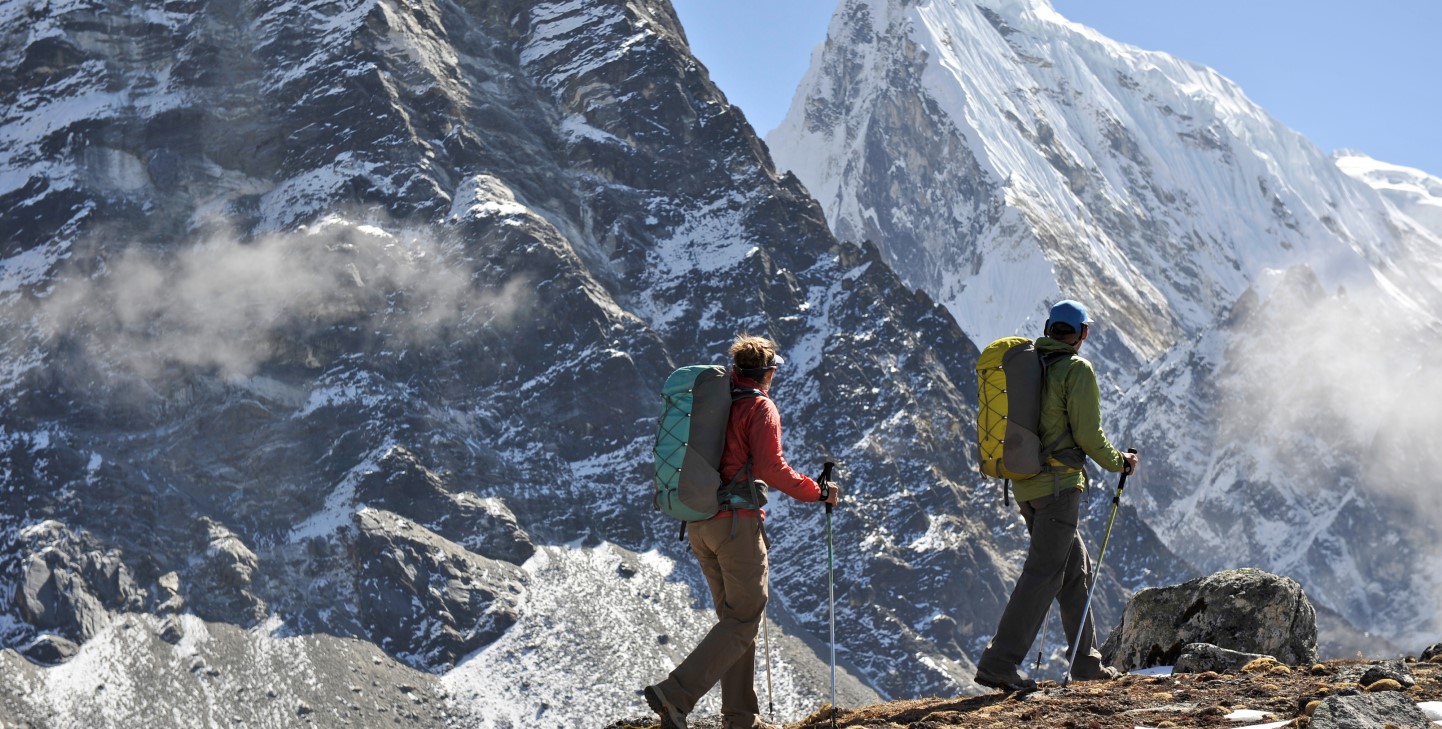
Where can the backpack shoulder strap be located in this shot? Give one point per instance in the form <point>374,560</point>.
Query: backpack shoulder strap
<point>741,393</point>
<point>1049,450</point>
<point>741,484</point>
<point>1050,358</point>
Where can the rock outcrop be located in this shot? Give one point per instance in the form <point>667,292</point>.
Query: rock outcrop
<point>1432,652</point>
<point>1367,675</point>
<point>68,585</point>
<point>1202,657</point>
<point>1244,610</point>
<point>48,649</point>
<point>427,600</point>
<point>402,484</point>
<point>221,578</point>
<point>1363,711</point>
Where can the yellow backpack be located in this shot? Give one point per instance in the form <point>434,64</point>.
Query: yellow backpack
<point>1009,376</point>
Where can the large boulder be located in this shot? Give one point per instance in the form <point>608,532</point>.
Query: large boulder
<point>1202,657</point>
<point>1432,651</point>
<point>1245,610</point>
<point>48,649</point>
<point>1388,670</point>
<point>1364,711</point>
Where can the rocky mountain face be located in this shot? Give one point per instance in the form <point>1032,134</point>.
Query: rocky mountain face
<point>1266,314</point>
<point>332,338</point>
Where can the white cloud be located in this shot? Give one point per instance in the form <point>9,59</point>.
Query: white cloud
<point>228,306</point>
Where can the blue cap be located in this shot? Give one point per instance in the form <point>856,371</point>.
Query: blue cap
<point>1068,312</point>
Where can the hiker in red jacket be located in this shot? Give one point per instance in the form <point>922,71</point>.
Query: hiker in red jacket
<point>732,547</point>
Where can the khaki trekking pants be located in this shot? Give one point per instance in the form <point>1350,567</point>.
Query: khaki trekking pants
<point>1056,568</point>
<point>735,569</point>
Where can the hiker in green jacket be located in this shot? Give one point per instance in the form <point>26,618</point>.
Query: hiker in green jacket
<point>1057,566</point>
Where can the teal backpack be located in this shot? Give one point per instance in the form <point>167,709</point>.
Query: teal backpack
<point>690,437</point>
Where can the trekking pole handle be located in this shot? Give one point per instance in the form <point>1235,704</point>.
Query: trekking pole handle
<point>825,483</point>
<point>1122,482</point>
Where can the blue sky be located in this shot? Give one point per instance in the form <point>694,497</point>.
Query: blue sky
<point>1345,73</point>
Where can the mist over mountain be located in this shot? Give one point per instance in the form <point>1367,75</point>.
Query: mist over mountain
<point>1266,314</point>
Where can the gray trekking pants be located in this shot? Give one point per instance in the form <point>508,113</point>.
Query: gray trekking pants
<point>735,569</point>
<point>1056,568</point>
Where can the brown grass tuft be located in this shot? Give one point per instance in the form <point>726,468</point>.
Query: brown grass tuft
<point>1386,684</point>
<point>821,715</point>
<point>1262,665</point>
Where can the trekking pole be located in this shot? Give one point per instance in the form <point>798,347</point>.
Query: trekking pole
<point>1045,623</point>
<point>1116,501</point>
<point>825,483</point>
<point>766,645</point>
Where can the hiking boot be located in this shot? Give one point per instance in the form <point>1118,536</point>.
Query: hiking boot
<point>671,717</point>
<point>1008,681</point>
<point>1102,673</point>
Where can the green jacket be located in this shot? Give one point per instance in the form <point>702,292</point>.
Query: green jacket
<point>1070,411</point>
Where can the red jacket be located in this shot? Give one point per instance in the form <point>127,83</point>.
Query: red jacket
<point>754,432</point>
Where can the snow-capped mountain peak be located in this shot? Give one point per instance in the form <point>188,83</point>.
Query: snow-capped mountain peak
<point>1002,157</point>
<point>1058,161</point>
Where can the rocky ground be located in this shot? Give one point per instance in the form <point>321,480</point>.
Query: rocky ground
<point>1279,692</point>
